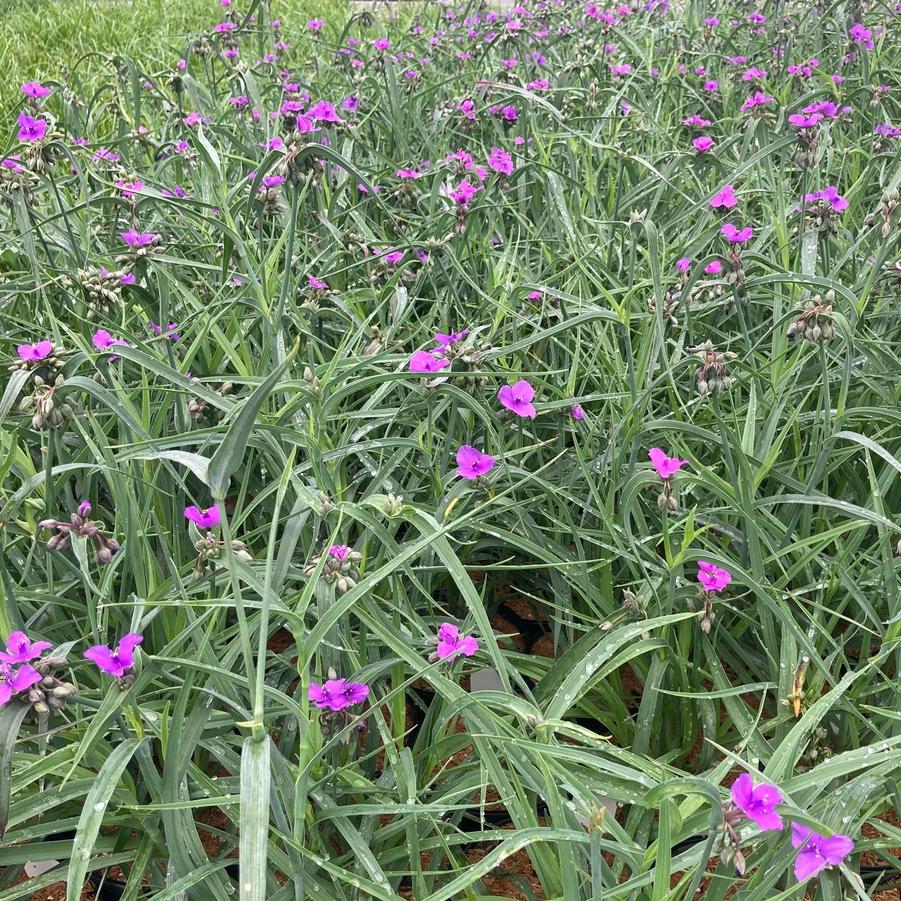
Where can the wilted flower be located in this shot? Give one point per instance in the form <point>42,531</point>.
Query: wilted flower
<point>817,852</point>
<point>518,399</point>
<point>115,662</point>
<point>452,644</point>
<point>577,412</point>
<point>472,463</point>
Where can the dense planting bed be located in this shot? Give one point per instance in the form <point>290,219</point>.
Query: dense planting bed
<point>456,454</point>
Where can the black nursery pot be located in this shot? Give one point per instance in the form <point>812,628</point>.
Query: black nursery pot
<point>105,887</point>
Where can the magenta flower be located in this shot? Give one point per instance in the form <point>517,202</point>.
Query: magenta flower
<point>20,648</point>
<point>683,264</point>
<point>577,412</point>
<point>735,235</point>
<point>472,463</point>
<point>424,362</point>
<point>725,198</point>
<point>799,120</point>
<point>315,24</point>
<point>103,340</point>
<point>831,196</point>
<point>31,129</point>
<point>381,43</point>
<point>31,353</point>
<point>696,121</point>
<point>323,111</point>
<point>712,577</point>
<point>452,644</point>
<point>35,90</point>
<point>758,98</point>
<point>711,86</point>
<point>115,662</point>
<point>13,681</point>
<point>666,466</point>
<point>135,239</point>
<point>862,36</point>
<point>518,399</point>
<point>713,268</point>
<point>317,284</point>
<point>336,694</point>
<point>757,803</point>
<point>339,551</point>
<point>445,341</point>
<point>817,851</point>
<point>500,161</point>
<point>225,26</point>
<point>702,143</point>
<point>203,519</point>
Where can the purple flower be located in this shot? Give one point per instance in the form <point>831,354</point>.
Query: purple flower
<point>500,161</point>
<point>711,86</point>
<point>683,264</point>
<point>425,362</point>
<point>799,120</point>
<point>577,412</point>
<point>317,284</point>
<point>757,803</point>
<point>35,90</point>
<point>702,143</point>
<point>13,681</point>
<point>518,399</point>
<point>735,235</point>
<point>31,353</point>
<point>696,121</point>
<point>725,198</point>
<point>203,519</point>
<point>31,129</point>
<point>115,662</point>
<point>339,551</point>
<point>712,577</point>
<point>323,111</point>
<point>103,340</point>
<point>225,26</point>
<point>445,341</point>
<point>818,852</point>
<point>381,43</point>
<point>472,463</point>
<point>20,648</point>
<point>315,24</point>
<point>758,98</point>
<point>336,694</point>
<point>666,466</point>
<point>831,196</point>
<point>862,36</point>
<point>135,239</point>
<point>452,644</point>
<point>713,268</point>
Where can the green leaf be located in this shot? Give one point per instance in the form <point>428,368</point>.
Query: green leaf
<point>230,453</point>
<point>255,778</point>
<point>92,814</point>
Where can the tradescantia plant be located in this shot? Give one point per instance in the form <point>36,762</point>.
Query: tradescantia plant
<point>482,430</point>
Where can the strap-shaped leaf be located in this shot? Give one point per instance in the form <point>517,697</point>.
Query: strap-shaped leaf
<point>92,815</point>
<point>255,777</point>
<point>230,453</point>
<point>11,717</point>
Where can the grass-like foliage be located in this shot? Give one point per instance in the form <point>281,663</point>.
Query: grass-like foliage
<point>457,455</point>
